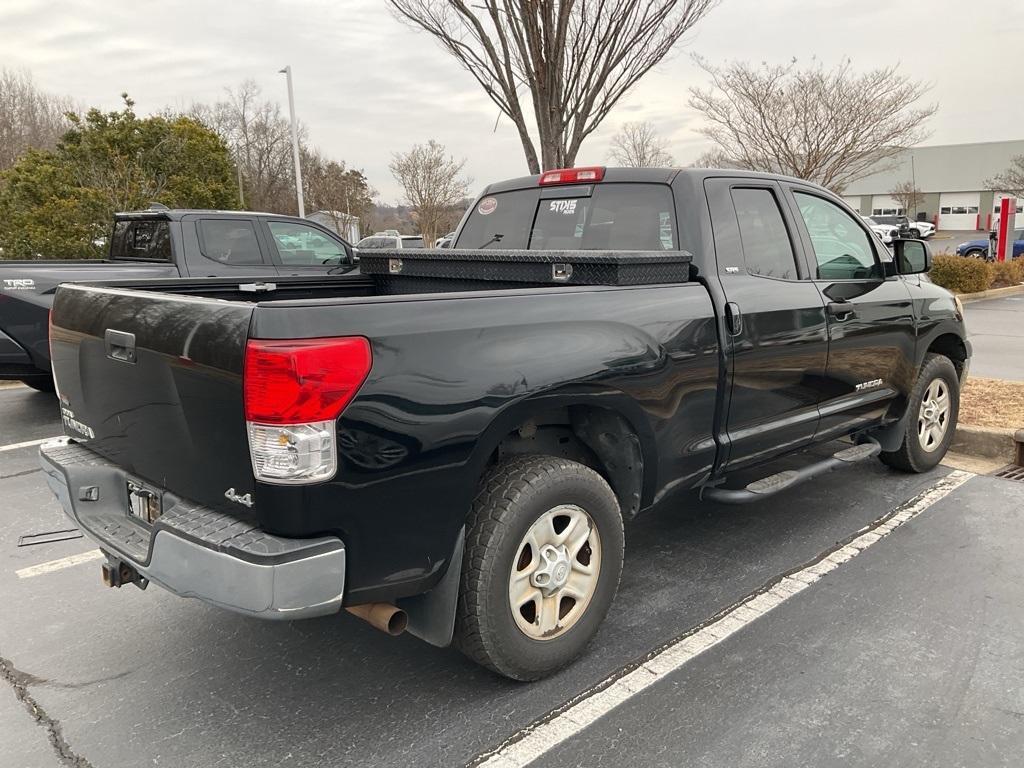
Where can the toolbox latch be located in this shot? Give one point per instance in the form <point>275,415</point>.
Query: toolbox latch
<point>394,266</point>
<point>561,273</point>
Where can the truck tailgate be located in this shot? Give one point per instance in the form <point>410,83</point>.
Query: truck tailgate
<point>153,382</point>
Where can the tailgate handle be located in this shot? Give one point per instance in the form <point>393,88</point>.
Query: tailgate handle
<point>120,345</point>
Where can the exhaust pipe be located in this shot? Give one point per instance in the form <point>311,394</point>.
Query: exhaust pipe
<point>384,616</point>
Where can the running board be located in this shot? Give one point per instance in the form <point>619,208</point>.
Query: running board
<point>769,486</point>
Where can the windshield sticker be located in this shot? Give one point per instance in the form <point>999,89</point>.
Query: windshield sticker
<point>487,206</point>
<point>564,207</point>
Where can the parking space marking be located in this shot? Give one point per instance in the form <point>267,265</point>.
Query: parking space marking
<point>26,444</point>
<point>577,714</point>
<point>59,565</point>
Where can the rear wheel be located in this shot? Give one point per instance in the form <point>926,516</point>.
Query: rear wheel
<point>931,421</point>
<point>542,563</point>
<point>40,383</point>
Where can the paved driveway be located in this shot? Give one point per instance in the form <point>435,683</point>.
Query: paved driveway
<point>996,330</point>
<point>909,654</point>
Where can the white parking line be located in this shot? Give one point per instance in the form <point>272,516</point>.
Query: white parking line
<point>564,723</point>
<point>26,444</point>
<point>59,565</point>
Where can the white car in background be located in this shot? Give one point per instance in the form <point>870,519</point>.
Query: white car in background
<point>886,232</point>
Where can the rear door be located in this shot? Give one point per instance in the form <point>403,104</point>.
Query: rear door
<point>871,328</point>
<point>778,343</point>
<point>297,248</point>
<point>218,246</point>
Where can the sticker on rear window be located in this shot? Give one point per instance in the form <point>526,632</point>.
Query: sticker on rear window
<point>564,207</point>
<point>487,206</point>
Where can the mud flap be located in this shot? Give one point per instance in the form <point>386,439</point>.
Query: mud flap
<point>432,614</point>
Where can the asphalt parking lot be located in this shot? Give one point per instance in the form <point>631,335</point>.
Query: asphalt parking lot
<point>996,330</point>
<point>911,653</point>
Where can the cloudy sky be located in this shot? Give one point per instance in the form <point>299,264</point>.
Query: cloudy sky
<point>365,85</point>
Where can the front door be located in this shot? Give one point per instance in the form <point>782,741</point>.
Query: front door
<point>871,329</point>
<point>778,339</point>
<point>303,249</point>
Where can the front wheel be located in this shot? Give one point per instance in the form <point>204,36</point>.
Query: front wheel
<point>542,563</point>
<point>976,254</point>
<point>932,417</point>
<point>916,234</point>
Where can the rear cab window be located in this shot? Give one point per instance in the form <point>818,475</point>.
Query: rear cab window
<point>229,241</point>
<point>141,240</point>
<point>603,216</point>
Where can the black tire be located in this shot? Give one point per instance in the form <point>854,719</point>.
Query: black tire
<point>976,254</point>
<point>513,496</point>
<point>40,383</point>
<point>916,234</point>
<point>911,456</point>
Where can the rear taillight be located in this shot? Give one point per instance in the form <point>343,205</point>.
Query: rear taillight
<point>571,176</point>
<point>294,391</point>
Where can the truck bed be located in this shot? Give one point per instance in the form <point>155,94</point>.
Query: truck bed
<point>451,373</point>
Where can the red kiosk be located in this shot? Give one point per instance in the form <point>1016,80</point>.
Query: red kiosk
<point>1005,229</point>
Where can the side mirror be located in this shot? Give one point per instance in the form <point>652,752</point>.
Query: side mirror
<point>912,256</point>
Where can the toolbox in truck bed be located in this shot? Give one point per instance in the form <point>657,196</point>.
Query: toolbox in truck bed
<point>529,267</point>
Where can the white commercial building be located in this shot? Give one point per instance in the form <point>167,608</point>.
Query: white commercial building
<point>953,179</point>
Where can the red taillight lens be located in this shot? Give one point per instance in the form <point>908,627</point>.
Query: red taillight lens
<point>571,176</point>
<point>297,382</point>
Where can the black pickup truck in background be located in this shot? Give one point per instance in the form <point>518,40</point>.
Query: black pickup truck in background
<point>158,243</point>
<point>453,439</point>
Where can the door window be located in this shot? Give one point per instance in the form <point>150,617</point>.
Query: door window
<point>767,249</point>
<point>230,241</point>
<point>300,245</point>
<point>842,248</point>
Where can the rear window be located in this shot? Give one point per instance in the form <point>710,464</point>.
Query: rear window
<point>615,217</point>
<point>412,242</point>
<point>229,241</point>
<point>145,240</point>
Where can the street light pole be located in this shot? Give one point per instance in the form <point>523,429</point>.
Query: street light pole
<point>295,141</point>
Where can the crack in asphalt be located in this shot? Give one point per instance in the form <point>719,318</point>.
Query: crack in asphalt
<point>19,681</point>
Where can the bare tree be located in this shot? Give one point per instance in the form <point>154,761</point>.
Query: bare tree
<point>908,196</point>
<point>29,117</point>
<point>259,136</point>
<point>713,158</point>
<point>327,185</point>
<point>1011,180</point>
<point>830,126</point>
<point>638,145</point>
<point>433,184</point>
<point>575,58</point>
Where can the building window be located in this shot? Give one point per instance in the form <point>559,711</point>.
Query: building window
<point>944,209</point>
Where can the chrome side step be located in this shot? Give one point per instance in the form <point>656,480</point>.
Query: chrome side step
<point>780,481</point>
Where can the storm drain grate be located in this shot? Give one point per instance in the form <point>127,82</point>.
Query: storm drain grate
<point>1011,472</point>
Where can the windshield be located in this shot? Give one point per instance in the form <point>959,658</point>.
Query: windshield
<point>615,217</point>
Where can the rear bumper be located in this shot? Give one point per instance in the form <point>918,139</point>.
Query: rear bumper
<point>195,551</point>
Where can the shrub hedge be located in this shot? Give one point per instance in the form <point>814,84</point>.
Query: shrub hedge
<point>961,274</point>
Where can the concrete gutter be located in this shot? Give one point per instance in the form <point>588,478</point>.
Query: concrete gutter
<point>992,293</point>
<point>986,442</point>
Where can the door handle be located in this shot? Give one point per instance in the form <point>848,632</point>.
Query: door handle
<point>841,310</point>
<point>734,318</point>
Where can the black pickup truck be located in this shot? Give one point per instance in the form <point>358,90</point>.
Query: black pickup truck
<point>436,445</point>
<point>158,243</point>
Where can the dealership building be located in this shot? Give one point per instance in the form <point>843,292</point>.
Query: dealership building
<point>952,179</point>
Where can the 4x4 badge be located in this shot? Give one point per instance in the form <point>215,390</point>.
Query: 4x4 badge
<point>231,495</point>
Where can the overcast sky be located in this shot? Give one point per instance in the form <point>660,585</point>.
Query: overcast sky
<point>365,85</point>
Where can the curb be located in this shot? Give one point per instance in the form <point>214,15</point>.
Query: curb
<point>992,293</point>
<point>985,441</point>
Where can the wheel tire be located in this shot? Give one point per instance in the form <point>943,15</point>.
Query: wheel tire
<point>912,456</point>
<point>976,254</point>
<point>916,234</point>
<point>513,496</point>
<point>40,383</point>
